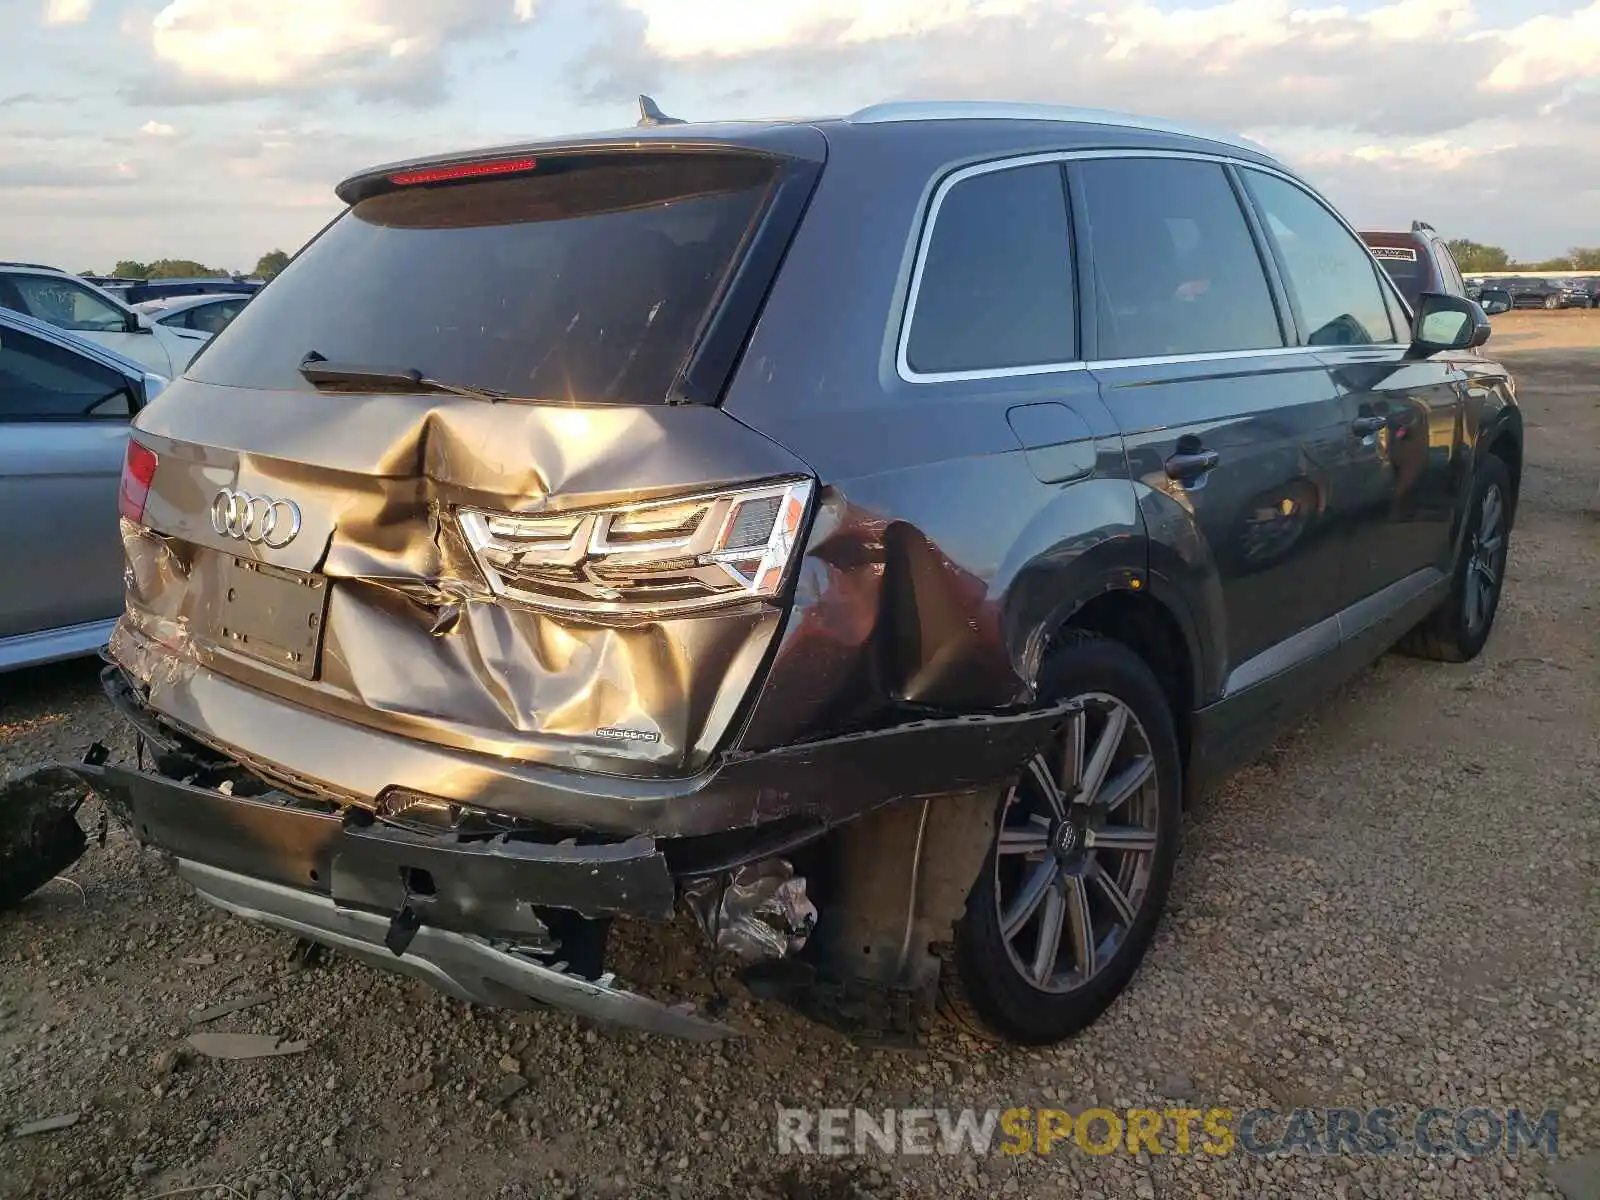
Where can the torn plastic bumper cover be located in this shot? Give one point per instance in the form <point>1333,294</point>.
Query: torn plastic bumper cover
<point>459,914</point>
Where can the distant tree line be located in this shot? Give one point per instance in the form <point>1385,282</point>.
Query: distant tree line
<point>1474,258</point>
<point>268,265</point>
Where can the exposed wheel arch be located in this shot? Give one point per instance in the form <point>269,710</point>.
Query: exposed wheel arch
<point>1154,632</point>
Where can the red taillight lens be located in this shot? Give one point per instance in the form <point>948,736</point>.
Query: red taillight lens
<point>138,472</point>
<point>499,166</point>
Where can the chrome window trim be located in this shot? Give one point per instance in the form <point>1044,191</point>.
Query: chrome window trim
<point>1000,110</point>
<point>909,374</point>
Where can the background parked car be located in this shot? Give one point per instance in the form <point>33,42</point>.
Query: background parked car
<point>141,290</point>
<point>1418,261</point>
<point>65,404</point>
<point>1532,291</point>
<point>197,318</point>
<point>70,303</point>
<point>1578,292</point>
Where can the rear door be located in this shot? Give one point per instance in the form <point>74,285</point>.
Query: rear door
<point>63,428</point>
<point>1404,443</point>
<point>1234,433</point>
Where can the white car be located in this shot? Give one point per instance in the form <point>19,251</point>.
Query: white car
<point>68,302</point>
<point>194,318</point>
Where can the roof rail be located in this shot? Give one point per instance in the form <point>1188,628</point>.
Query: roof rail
<point>1002,110</point>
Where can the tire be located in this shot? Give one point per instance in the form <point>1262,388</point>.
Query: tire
<point>1014,988</point>
<point>31,857</point>
<point>1552,302</point>
<point>1459,628</point>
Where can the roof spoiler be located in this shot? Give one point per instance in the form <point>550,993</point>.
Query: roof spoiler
<point>650,114</point>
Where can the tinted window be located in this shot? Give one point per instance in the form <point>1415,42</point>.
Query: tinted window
<point>586,280</point>
<point>1175,269</point>
<point>1408,267</point>
<point>40,381</point>
<point>67,305</point>
<point>1330,273</point>
<point>1454,284</point>
<point>996,286</point>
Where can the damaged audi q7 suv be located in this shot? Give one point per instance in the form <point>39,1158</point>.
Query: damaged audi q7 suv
<point>864,535</point>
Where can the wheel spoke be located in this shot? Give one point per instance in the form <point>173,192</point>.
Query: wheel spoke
<point>1049,947</point>
<point>1094,771</point>
<point>1026,903</point>
<point>1032,838</point>
<point>1080,925</point>
<point>1474,587</point>
<point>1046,780</point>
<point>1125,783</point>
<point>1072,759</point>
<point>1490,522</point>
<point>1123,837</point>
<point>1114,894</point>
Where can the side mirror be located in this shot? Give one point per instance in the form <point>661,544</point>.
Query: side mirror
<point>1448,323</point>
<point>1495,301</point>
<point>138,323</point>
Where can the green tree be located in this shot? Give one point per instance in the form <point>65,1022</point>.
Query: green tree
<point>271,263</point>
<point>180,268</point>
<point>1585,258</point>
<point>128,269</point>
<point>1473,257</point>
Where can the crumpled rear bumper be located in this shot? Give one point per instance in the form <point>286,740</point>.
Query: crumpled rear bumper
<point>460,914</point>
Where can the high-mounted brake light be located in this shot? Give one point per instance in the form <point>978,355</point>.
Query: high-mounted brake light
<point>499,166</point>
<point>138,473</point>
<point>668,556</point>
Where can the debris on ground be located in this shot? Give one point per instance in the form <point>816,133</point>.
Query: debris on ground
<point>243,1045</point>
<point>45,1125</point>
<point>206,1015</point>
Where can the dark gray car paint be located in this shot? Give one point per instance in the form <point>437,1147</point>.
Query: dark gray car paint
<point>959,524</point>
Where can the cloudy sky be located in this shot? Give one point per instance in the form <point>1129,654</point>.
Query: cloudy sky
<point>216,129</point>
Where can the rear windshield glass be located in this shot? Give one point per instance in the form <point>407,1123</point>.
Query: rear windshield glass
<point>585,281</point>
<point>1406,267</point>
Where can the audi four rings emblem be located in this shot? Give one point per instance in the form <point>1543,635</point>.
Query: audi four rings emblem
<point>259,520</point>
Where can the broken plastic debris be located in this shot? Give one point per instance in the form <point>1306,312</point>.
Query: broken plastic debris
<point>201,1016</point>
<point>234,1046</point>
<point>758,911</point>
<point>45,1125</point>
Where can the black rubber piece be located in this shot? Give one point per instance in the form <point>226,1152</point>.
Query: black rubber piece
<point>35,852</point>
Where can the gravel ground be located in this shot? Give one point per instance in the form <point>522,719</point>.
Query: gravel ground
<point>1398,904</point>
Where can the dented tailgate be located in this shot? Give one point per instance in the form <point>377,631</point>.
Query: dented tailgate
<point>539,557</point>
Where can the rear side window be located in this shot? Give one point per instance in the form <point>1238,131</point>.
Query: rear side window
<point>1175,268</point>
<point>995,289</point>
<point>1330,273</point>
<point>585,281</point>
<point>40,381</point>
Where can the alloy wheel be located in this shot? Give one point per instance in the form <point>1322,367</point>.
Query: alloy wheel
<point>1485,561</point>
<point>1076,849</point>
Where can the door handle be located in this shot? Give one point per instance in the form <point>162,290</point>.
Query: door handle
<point>1362,426</point>
<point>1188,465</point>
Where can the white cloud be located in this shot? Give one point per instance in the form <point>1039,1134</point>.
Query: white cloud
<point>67,12</point>
<point>1212,38</point>
<point>286,44</point>
<point>157,129</point>
<point>1551,50</point>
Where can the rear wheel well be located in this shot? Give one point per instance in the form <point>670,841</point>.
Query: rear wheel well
<point>1506,449</point>
<point>1145,626</point>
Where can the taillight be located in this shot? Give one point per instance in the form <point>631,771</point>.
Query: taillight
<point>498,166</point>
<point>666,556</point>
<point>138,472</point>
